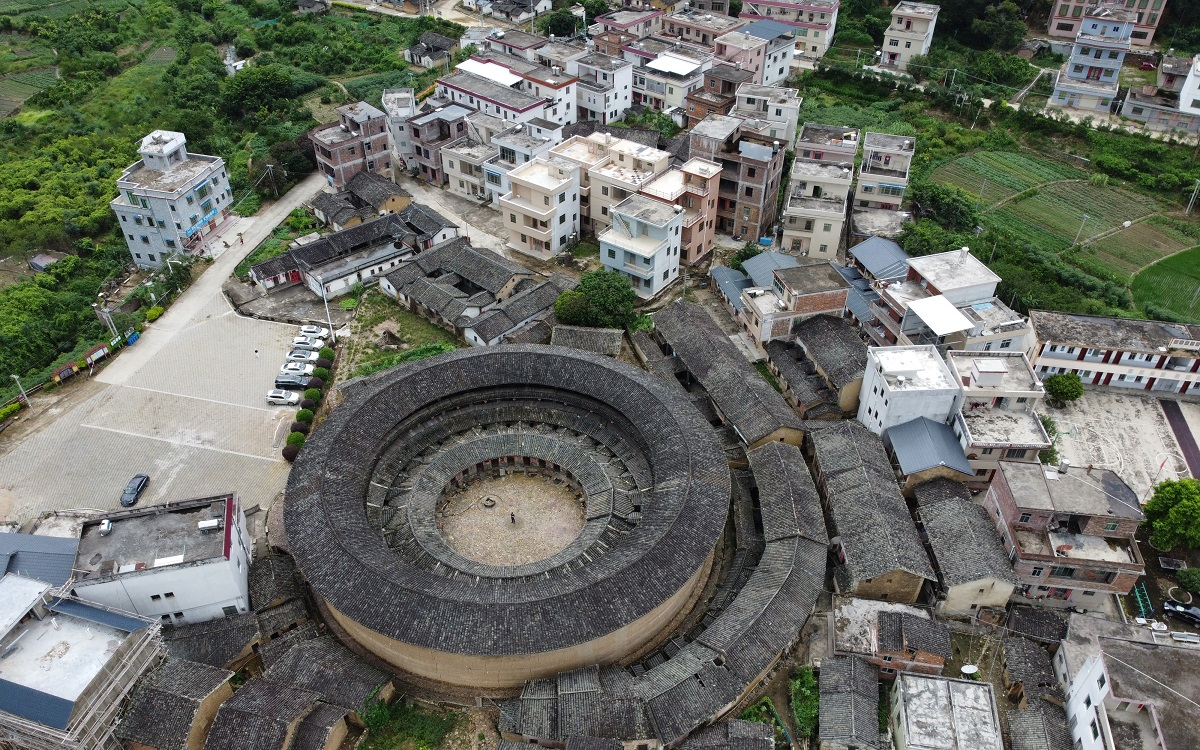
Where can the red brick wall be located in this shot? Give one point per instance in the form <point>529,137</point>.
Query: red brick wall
<point>811,304</point>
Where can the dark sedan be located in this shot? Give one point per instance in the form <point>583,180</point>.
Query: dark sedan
<point>1188,614</point>
<point>134,489</point>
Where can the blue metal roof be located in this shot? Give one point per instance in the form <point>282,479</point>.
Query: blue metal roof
<point>45,709</point>
<point>761,268</point>
<point>922,444</point>
<point>860,295</point>
<point>731,284</point>
<point>46,558</point>
<point>97,615</point>
<point>766,29</point>
<point>882,258</point>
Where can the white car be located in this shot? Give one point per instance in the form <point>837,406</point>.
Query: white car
<point>283,398</point>
<point>316,332</point>
<point>304,342</point>
<point>297,368</point>
<point>300,355</point>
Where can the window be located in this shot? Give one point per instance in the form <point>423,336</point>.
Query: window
<point>749,192</point>
<point>137,220</point>
<point>893,42</point>
<point>155,597</point>
<point>178,615</point>
<point>1006,343</point>
<point>1036,572</point>
<point>562,197</point>
<point>1101,681</point>
<point>1111,526</point>
<point>524,238</point>
<point>546,199</point>
<point>1095,730</point>
<point>170,595</point>
<point>512,218</point>
<point>1062,571</point>
<point>987,451</point>
<point>908,45</point>
<point>562,219</point>
<point>604,190</point>
<point>145,239</point>
<point>229,611</point>
<point>1024,518</point>
<point>1014,453</point>
<point>664,275</point>
<point>827,228</point>
<point>612,253</point>
<point>751,171</point>
<point>169,243</point>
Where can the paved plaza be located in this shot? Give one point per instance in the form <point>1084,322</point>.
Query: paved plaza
<point>510,520</point>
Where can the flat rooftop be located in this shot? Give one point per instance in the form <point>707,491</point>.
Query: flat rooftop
<point>1078,491</point>
<point>543,172</point>
<point>180,176</point>
<point>856,622</point>
<point>18,595</point>
<point>153,536</point>
<point>626,18</point>
<point>646,209</point>
<point>821,169</point>
<point>740,40</point>
<point>828,135</point>
<point>518,39</point>
<point>879,222</point>
<point>953,270</point>
<point>1167,676</point>
<point>812,279</point>
<point>921,367</point>
<point>886,142</point>
<point>398,99</point>
<point>602,61</point>
<point>702,167</point>
<point>471,150</point>
<point>1088,547</point>
<point>581,150</point>
<point>1017,374</point>
<point>774,94</point>
<point>1093,331</point>
<point>920,9</point>
<point>1176,66</point>
<point>948,714</point>
<point>701,19</point>
<point>994,316</point>
<point>1005,427</point>
<point>718,127</point>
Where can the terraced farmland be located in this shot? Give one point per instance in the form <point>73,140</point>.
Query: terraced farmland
<point>1051,219</point>
<point>1172,283</point>
<point>1130,250</point>
<point>16,88</point>
<point>1001,174</point>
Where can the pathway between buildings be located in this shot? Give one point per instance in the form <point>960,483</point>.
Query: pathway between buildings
<point>1183,435</point>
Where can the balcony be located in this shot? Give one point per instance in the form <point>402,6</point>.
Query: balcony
<point>877,169</point>
<point>641,245</point>
<point>644,271</point>
<point>522,205</point>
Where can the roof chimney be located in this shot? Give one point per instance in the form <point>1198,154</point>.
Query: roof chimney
<point>962,253</point>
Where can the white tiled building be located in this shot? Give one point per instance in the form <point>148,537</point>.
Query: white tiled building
<point>643,243</point>
<point>910,33</point>
<point>170,199</point>
<point>542,210</point>
<point>400,104</point>
<point>902,383</point>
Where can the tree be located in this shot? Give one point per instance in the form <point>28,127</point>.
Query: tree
<point>257,87</point>
<point>748,251</point>
<point>947,205</point>
<point>1173,514</point>
<point>603,299</point>
<point>804,696</point>
<point>559,23</point>
<point>1189,579</point>
<point>295,438</point>
<point>1063,387</point>
<point>1049,457</point>
<point>1002,25</point>
<point>595,8</point>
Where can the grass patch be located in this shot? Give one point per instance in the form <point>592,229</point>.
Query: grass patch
<point>999,175</point>
<point>1130,250</point>
<point>1171,285</point>
<point>767,376</point>
<point>400,726</point>
<point>1051,218</point>
<point>586,250</point>
<point>272,247</point>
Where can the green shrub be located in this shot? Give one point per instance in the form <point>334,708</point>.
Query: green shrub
<point>327,354</point>
<point>154,314</point>
<point>1189,579</point>
<point>805,698</point>
<point>313,394</point>
<point>11,409</point>
<point>322,373</point>
<point>304,415</point>
<point>296,439</point>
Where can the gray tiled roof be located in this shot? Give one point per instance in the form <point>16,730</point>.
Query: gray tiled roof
<point>216,642</point>
<point>921,444</point>
<point>258,716</point>
<point>961,534</point>
<point>750,404</point>
<point>849,707</point>
<point>606,341</point>
<point>272,650</point>
<point>1029,664</point>
<point>313,731</point>
<point>1041,624</point>
<point>324,666</point>
<point>374,189</point>
<point>787,496</point>
<point>878,534</point>
<point>273,580</point>
<point>1044,728</point>
<point>521,307</point>
<point>807,387</point>
<point>280,617</point>
<point>734,734</point>
<point>900,632</point>
<point>835,346</point>
<point>165,702</point>
<point>46,558</point>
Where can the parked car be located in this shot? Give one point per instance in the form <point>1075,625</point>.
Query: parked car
<point>291,381</point>
<point>280,397</point>
<point>297,368</point>
<point>1185,612</point>
<point>301,355</point>
<point>306,342</point>
<point>134,489</point>
<point>316,332</point>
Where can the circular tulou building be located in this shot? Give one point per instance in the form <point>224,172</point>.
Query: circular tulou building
<point>492,516</point>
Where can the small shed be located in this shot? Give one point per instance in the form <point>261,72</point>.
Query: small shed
<point>43,261</point>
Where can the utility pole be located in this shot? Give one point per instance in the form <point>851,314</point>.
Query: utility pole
<point>1080,232</point>
<point>24,395</point>
<point>982,187</point>
<point>1195,190</point>
<point>328,317</point>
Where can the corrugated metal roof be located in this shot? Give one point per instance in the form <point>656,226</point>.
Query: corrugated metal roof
<point>35,705</point>
<point>95,614</point>
<point>46,558</point>
<point>882,258</point>
<point>731,284</point>
<point>761,268</point>
<point>922,444</point>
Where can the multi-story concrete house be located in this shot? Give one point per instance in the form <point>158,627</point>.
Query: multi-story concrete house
<point>610,42</point>
<point>430,133</point>
<point>747,199</point>
<point>903,383</point>
<point>629,166</point>
<point>780,49</point>
<point>883,174</point>
<point>664,82</point>
<point>1089,78</point>
<point>501,95</point>
<point>711,6</point>
<point>196,569</point>
<point>691,186</point>
<point>939,713</point>
<point>552,84</point>
<point>586,152</point>
<point>604,91</point>
<point>771,112</point>
<point>643,243</point>
<point>698,26</point>
<point>721,83</point>
<point>910,33</point>
<point>795,293</point>
<point>815,212</point>
<point>644,51</point>
<point>462,163</point>
<point>743,51</point>
<point>641,23</point>
<point>996,420</point>
<point>169,200</point>
<point>357,142</point>
<point>400,105</point>
<point>518,145</point>
<point>517,43</point>
<point>828,143</point>
<point>1138,354</point>
<point>1174,104</point>
<point>815,21</point>
<point>1069,531</point>
<point>1066,18</point>
<point>542,211</point>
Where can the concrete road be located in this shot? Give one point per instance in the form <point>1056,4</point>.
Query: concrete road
<point>185,404</point>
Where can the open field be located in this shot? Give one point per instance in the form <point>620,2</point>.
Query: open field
<point>1172,283</point>
<point>1000,174</point>
<point>57,8</point>
<point>1130,250</point>
<point>16,88</point>
<point>1051,219</point>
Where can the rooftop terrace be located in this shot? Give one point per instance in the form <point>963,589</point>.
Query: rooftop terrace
<point>912,367</point>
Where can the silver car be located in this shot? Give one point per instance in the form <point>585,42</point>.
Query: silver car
<point>300,355</point>
<point>280,397</point>
<point>316,332</point>
<point>311,344</point>
<point>297,368</point>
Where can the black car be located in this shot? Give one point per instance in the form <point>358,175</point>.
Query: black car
<point>1188,614</point>
<point>134,489</point>
<point>292,382</point>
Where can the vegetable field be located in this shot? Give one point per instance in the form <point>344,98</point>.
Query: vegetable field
<point>1172,284</point>
<point>16,88</point>
<point>1000,175</point>
<point>55,8</point>
<point>1131,250</point>
<point>1052,218</point>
